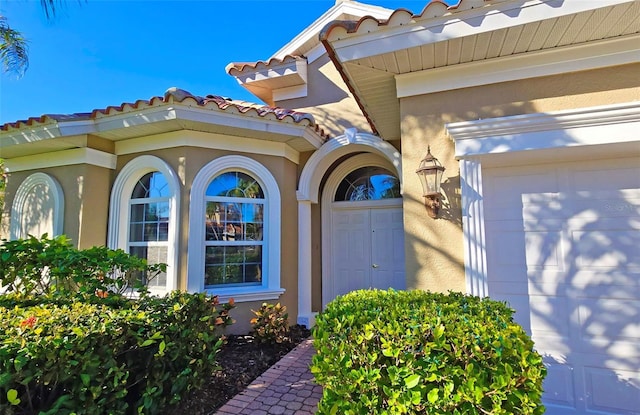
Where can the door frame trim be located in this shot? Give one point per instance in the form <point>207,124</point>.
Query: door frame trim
<point>330,187</point>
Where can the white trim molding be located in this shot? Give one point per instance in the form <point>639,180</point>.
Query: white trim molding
<point>62,158</point>
<point>270,288</point>
<point>602,125</point>
<point>334,149</point>
<point>308,193</point>
<point>54,193</point>
<point>119,212</point>
<point>188,138</point>
<point>593,55</point>
<point>480,142</point>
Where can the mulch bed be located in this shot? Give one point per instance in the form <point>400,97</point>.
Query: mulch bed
<point>242,359</point>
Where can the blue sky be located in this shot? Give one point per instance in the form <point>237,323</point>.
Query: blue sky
<point>97,53</point>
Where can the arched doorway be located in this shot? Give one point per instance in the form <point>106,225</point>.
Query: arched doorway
<point>363,233</point>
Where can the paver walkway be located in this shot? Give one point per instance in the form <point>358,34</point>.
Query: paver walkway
<point>287,388</point>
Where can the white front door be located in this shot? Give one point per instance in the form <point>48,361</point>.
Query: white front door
<point>563,248</point>
<point>367,248</point>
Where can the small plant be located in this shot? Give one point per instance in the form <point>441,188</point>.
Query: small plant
<point>271,323</point>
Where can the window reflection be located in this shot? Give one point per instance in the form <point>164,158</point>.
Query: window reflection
<point>234,229</point>
<point>368,183</point>
<point>149,222</point>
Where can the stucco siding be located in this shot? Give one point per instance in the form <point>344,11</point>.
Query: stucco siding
<point>328,100</point>
<point>434,251</point>
<point>86,192</point>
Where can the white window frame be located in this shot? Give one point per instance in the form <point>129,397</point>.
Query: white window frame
<point>270,288</point>
<point>120,211</point>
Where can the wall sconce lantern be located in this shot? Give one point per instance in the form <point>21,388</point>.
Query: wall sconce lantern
<point>430,174</point>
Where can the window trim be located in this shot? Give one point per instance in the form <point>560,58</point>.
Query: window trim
<point>120,212</point>
<point>23,192</point>
<point>270,288</point>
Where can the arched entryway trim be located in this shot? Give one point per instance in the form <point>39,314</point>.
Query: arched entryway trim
<point>308,193</point>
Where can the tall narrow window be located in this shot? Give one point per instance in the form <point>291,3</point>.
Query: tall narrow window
<point>149,223</point>
<point>234,229</point>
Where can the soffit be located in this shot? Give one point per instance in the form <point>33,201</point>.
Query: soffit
<point>371,52</point>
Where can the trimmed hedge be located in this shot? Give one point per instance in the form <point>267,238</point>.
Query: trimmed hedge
<point>125,357</point>
<point>415,352</point>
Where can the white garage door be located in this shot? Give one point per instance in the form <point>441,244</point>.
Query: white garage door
<point>563,248</point>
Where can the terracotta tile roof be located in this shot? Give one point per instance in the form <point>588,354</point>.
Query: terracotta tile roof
<point>173,95</point>
<point>433,9</point>
<point>235,68</point>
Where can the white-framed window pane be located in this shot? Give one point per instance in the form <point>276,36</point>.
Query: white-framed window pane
<point>154,255</point>
<point>233,265</point>
<point>234,229</point>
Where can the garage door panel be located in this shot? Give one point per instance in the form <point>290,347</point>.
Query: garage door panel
<point>607,283</point>
<point>550,316</point>
<point>592,176</point>
<point>610,320</point>
<point>615,392</point>
<point>565,253</point>
<point>559,384</point>
<point>607,248</point>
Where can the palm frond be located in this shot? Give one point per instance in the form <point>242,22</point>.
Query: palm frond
<point>14,49</point>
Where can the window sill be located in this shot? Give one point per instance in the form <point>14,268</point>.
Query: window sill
<point>241,295</point>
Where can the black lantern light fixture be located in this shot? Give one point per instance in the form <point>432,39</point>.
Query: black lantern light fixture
<point>430,174</point>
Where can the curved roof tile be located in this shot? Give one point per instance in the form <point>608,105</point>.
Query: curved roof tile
<point>235,68</point>
<point>399,17</point>
<point>180,96</point>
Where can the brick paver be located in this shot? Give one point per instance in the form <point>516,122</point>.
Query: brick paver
<point>286,388</point>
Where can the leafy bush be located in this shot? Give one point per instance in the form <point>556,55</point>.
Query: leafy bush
<point>271,323</point>
<point>72,342</point>
<point>414,352</point>
<point>137,357</point>
<point>52,267</point>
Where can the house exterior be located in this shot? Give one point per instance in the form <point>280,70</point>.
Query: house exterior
<point>532,107</point>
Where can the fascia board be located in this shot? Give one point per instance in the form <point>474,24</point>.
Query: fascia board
<point>609,124</point>
<point>593,55</point>
<point>62,158</point>
<point>134,118</point>
<point>334,13</point>
<point>237,120</point>
<point>467,23</point>
<point>46,132</point>
<point>189,138</point>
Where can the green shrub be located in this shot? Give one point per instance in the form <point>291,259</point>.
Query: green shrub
<point>51,267</point>
<point>415,352</point>
<point>136,357</point>
<point>271,323</point>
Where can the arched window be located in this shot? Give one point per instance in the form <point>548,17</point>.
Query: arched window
<point>38,208</point>
<point>149,223</point>
<point>143,216</point>
<point>368,183</point>
<point>234,222</point>
<point>234,231</point>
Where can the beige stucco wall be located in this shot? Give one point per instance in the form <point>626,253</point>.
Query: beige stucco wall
<point>86,201</point>
<point>434,254</point>
<point>328,100</point>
